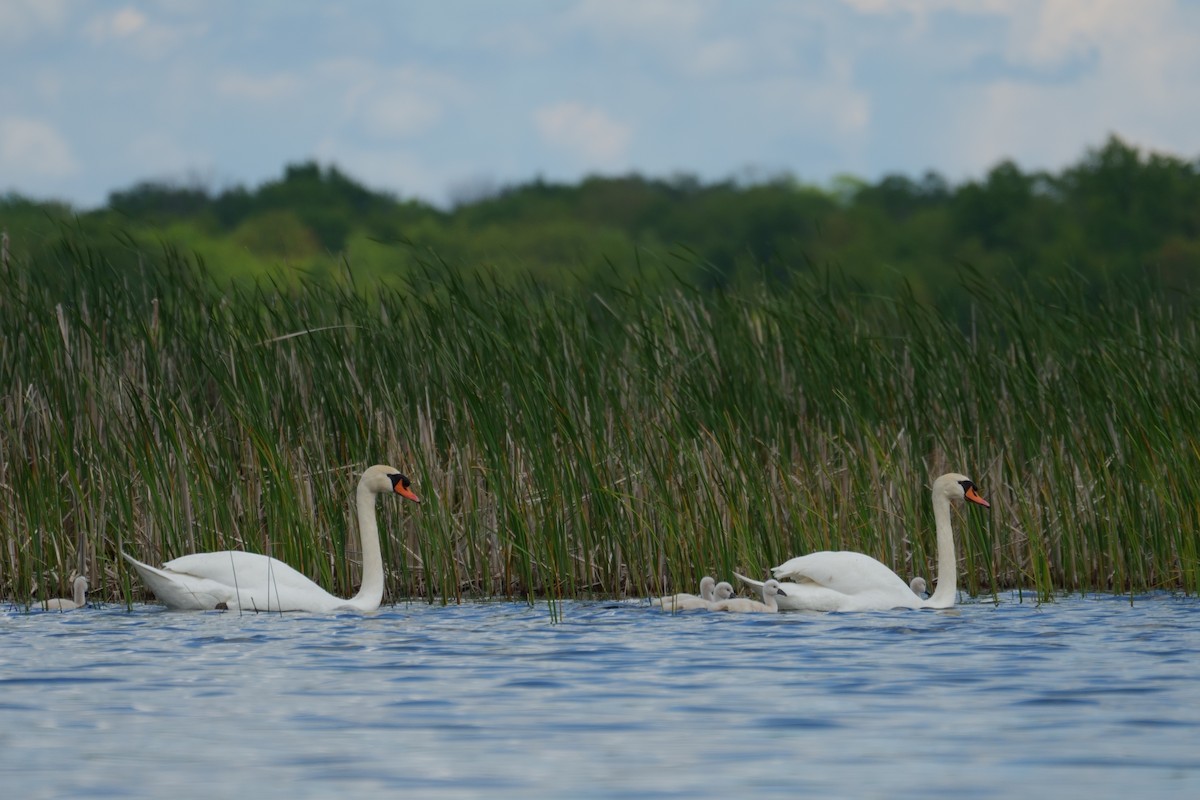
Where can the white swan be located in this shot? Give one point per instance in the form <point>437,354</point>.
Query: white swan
<point>724,591</point>
<point>848,581</point>
<point>79,589</point>
<point>745,605</point>
<point>248,581</point>
<point>918,586</point>
<point>684,601</point>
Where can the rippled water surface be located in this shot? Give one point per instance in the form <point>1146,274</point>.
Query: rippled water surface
<point>1086,697</point>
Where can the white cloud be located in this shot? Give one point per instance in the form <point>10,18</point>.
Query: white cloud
<point>129,27</point>
<point>398,170</point>
<point>1052,32</point>
<point>404,105</point>
<point>1140,78</point>
<point>119,24</point>
<point>688,35</point>
<point>33,148</point>
<point>585,132</point>
<point>1035,81</point>
<point>996,123</point>
<point>870,86</point>
<point>384,103</point>
<point>1045,33</point>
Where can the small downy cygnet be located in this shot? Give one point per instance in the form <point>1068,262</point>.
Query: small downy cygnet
<point>79,589</point>
<point>919,587</point>
<point>724,591</point>
<point>686,602</point>
<point>747,606</point>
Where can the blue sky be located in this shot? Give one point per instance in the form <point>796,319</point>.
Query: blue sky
<point>442,100</point>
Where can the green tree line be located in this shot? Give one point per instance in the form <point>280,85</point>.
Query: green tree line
<point>1118,212</point>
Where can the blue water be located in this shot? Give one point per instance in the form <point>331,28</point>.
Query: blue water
<point>1086,697</point>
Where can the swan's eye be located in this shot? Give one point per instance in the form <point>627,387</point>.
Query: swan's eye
<point>398,478</point>
<point>967,486</point>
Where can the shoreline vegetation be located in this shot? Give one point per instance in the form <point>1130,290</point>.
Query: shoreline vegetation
<point>590,444</point>
<point>1116,214</point>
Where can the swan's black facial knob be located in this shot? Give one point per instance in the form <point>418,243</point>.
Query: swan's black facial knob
<point>972,494</point>
<point>401,484</point>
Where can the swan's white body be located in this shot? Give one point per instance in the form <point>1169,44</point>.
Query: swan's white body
<point>848,581</point>
<point>236,580</point>
<point>745,605</point>
<point>918,586</point>
<point>79,591</point>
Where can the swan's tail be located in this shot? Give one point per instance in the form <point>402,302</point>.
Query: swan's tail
<point>142,569</point>
<point>138,565</point>
<point>155,579</point>
<point>174,592</point>
<point>755,585</point>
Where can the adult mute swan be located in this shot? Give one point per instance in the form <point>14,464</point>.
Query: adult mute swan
<point>848,581</point>
<point>79,589</point>
<point>745,605</point>
<point>251,582</point>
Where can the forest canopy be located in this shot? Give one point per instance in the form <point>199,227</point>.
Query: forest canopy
<point>1117,213</point>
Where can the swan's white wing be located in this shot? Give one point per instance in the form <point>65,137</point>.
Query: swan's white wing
<point>234,580</point>
<point>233,567</point>
<point>843,571</point>
<point>812,597</point>
<point>808,596</point>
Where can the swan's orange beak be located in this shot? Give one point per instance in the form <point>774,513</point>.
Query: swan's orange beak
<point>972,494</point>
<point>404,491</point>
<point>400,484</point>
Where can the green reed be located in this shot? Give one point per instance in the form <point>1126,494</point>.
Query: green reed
<point>615,444</point>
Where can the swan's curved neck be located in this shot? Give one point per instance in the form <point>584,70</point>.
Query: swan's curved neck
<point>947,577</point>
<point>370,593</point>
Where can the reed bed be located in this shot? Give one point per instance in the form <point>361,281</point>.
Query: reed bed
<point>617,444</point>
